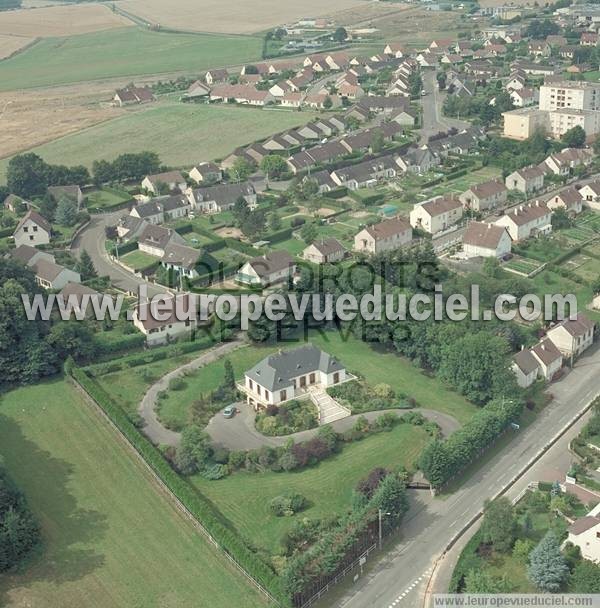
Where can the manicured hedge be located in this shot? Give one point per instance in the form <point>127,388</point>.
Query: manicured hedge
<point>282,235</point>
<point>337,193</point>
<point>195,503</point>
<point>133,341</point>
<point>468,560</point>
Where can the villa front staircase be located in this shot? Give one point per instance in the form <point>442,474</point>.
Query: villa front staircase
<point>329,409</point>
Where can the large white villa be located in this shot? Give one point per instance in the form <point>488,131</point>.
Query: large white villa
<point>291,374</point>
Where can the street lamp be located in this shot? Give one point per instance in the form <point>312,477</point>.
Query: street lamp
<point>381,514</point>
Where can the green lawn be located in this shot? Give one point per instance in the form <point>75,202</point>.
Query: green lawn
<point>110,539</point>
<point>244,497</point>
<point>127,51</point>
<point>182,134</point>
<point>139,259</point>
<point>105,197</point>
<point>398,372</point>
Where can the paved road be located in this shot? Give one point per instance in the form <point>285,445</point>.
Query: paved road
<point>93,239</point>
<point>432,102</point>
<point>400,576</point>
<point>153,428</point>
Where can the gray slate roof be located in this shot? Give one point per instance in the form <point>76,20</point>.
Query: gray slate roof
<point>276,371</point>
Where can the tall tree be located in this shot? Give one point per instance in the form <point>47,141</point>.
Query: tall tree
<point>499,526</point>
<point>85,266</point>
<point>574,137</point>
<point>548,569</point>
<point>66,212</point>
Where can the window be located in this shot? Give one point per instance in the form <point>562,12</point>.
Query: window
<point>25,228</point>
<point>312,379</point>
<point>31,237</point>
<point>282,395</point>
<point>250,384</point>
<point>35,228</point>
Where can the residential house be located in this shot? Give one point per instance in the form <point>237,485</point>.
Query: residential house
<point>573,336</point>
<point>154,240</point>
<point>382,104</point>
<point>585,534</point>
<point>130,227</point>
<point>182,259</point>
<point>168,325</point>
<point>486,240</point>
<point>487,195</point>
<point>365,174</point>
<point>524,97</point>
<point>33,229</point>
<point>170,180</point>
<point>269,269</point>
<point>51,275</point>
<point>589,39</point>
<point>394,50</point>
<point>539,48</point>
<point>132,94</point>
<point>289,374</point>
<point>206,173</point>
<point>151,212</point>
<point>591,195</point>
<point>563,163</point>
<point>569,199</point>
<point>548,357</point>
<point>516,82</point>
<point>215,199</point>
<point>437,214</point>
<point>526,368</point>
<point>385,236</point>
<point>526,180</point>
<point>324,251</point>
<point>162,209</point>
<point>525,221</point>
<point>419,160</point>
<point>14,203</point>
<point>404,118</point>
<point>213,77</point>
<point>323,180</point>
<point>28,255</point>
<point>319,155</point>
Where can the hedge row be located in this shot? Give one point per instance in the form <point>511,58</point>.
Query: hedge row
<point>370,199</point>
<point>125,343</point>
<point>282,235</point>
<point>194,502</point>
<point>244,248</point>
<point>337,193</point>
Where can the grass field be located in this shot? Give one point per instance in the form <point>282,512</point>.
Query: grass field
<point>105,197</point>
<point>122,52</point>
<point>182,134</point>
<point>110,539</point>
<point>244,497</point>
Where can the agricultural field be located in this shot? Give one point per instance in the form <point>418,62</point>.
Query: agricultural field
<point>159,128</point>
<point>587,226</point>
<point>460,184</point>
<point>244,497</point>
<point>235,17</point>
<point>110,538</point>
<point>45,22</point>
<point>122,52</point>
<point>11,44</point>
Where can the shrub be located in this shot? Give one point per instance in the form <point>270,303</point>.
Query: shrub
<point>176,384</point>
<point>287,505</point>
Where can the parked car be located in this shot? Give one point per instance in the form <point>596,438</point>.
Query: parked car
<point>229,411</point>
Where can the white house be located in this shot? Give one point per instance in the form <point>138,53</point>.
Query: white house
<point>573,336</point>
<point>385,236</point>
<point>33,229</point>
<point>437,214</point>
<point>591,195</point>
<point>486,240</point>
<point>290,374</point>
<point>269,269</point>
<point>487,195</point>
<point>51,275</point>
<point>168,326</point>
<point>526,180</point>
<point>570,200</point>
<point>526,221</point>
<point>206,173</point>
<point>325,251</point>
<point>182,259</point>
<point>549,358</point>
<point>525,368</point>
<point>585,534</point>
<point>214,199</point>
<point>172,180</point>
<point>155,239</point>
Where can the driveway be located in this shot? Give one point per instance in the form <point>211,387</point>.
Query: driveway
<point>153,428</point>
<point>239,433</point>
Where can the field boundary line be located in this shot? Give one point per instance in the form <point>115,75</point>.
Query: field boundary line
<point>164,489</point>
